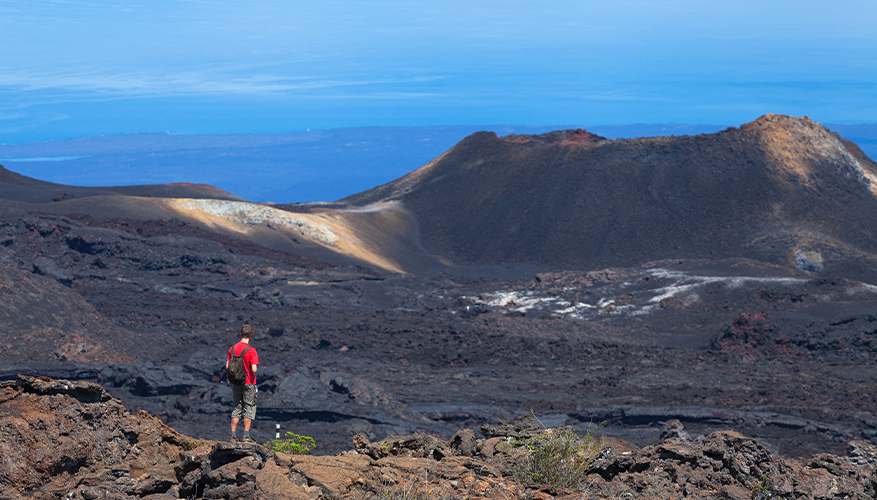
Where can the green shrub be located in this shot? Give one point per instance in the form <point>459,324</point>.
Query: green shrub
<point>292,445</point>
<point>557,457</point>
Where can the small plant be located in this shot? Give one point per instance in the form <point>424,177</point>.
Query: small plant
<point>759,486</point>
<point>415,488</point>
<point>761,490</point>
<point>292,445</point>
<point>404,493</point>
<point>557,457</point>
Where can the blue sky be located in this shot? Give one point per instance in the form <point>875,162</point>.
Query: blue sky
<point>79,68</point>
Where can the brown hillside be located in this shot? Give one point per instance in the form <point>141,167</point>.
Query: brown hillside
<point>17,187</point>
<point>384,236</point>
<point>780,189</point>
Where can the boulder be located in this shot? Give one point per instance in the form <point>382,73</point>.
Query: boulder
<point>523,427</point>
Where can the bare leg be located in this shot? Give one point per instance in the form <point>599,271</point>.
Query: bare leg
<point>247,423</point>
<point>234,424</point>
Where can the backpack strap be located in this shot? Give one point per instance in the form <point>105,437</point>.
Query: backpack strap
<point>241,355</point>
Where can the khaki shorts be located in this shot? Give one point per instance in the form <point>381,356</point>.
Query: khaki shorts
<point>244,401</point>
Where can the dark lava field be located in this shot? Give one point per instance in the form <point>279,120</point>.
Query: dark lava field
<point>725,280</point>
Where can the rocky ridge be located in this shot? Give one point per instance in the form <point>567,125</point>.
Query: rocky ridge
<point>64,439</point>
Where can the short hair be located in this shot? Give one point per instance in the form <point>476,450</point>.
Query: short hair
<point>247,331</point>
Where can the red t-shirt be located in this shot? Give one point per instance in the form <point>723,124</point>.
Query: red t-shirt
<point>250,359</point>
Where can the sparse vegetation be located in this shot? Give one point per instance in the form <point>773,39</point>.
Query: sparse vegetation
<point>761,491</point>
<point>293,444</point>
<point>412,492</point>
<point>557,457</point>
<point>416,488</point>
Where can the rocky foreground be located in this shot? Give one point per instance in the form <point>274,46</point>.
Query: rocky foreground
<point>63,439</point>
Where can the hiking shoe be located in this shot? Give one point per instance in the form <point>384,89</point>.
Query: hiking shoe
<point>234,439</point>
<point>247,439</point>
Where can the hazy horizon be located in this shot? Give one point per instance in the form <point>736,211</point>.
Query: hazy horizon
<point>75,68</point>
<point>305,166</point>
<point>78,69</point>
<point>320,165</point>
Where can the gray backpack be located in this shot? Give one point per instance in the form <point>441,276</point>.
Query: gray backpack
<point>237,374</point>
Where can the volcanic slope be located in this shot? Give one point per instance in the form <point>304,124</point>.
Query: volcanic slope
<point>779,189</point>
<point>46,323</point>
<point>380,237</point>
<point>18,187</point>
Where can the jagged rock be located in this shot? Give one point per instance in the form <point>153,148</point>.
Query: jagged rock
<point>273,482</point>
<point>144,379</point>
<point>335,381</point>
<point>524,427</point>
<point>674,430</point>
<point>742,456</point>
<point>42,386</point>
<point>58,436</point>
<point>274,299</point>
<point>71,439</point>
<point>464,442</point>
<point>860,453</point>
<point>332,475</point>
<point>236,480</point>
<point>731,465</point>
<point>226,453</point>
<point>50,269</point>
<point>490,447</point>
<point>53,430</point>
<point>416,445</point>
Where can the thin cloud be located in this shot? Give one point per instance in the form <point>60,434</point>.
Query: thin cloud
<point>34,124</point>
<point>145,85</point>
<point>383,95</point>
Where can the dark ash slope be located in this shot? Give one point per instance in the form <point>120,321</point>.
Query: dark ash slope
<point>780,189</point>
<point>17,187</point>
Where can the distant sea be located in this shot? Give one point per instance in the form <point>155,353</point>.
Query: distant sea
<point>308,166</point>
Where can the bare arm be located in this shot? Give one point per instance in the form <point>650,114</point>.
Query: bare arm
<point>253,367</point>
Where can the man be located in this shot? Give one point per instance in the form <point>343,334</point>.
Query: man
<point>244,395</point>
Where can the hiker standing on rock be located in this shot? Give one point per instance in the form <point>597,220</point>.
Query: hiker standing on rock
<point>241,365</point>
